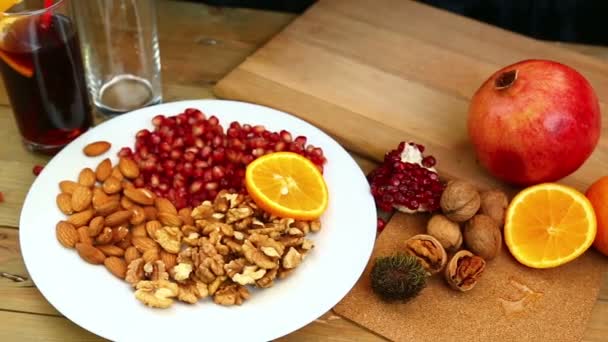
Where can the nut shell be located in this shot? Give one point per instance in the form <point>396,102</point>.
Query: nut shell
<point>494,203</point>
<point>483,237</point>
<point>460,201</point>
<point>428,250</point>
<point>445,231</point>
<point>463,270</point>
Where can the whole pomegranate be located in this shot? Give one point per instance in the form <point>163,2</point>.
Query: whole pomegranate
<point>534,121</point>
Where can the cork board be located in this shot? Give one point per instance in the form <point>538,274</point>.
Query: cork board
<point>510,303</point>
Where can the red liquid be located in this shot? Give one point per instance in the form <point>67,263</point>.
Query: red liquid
<point>51,106</point>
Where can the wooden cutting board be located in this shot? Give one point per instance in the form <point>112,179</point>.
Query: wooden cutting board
<point>509,303</point>
<point>373,73</point>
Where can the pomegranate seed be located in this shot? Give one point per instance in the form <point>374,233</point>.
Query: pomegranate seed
<point>155,138</point>
<point>189,156</point>
<point>280,146</point>
<point>213,121</point>
<point>163,187</point>
<point>429,161</point>
<point>158,120</point>
<point>286,136</point>
<point>37,169</point>
<point>208,176</point>
<point>258,129</point>
<point>196,186</point>
<point>206,152</point>
<point>175,154</point>
<point>144,133</point>
<point>154,180</point>
<point>178,142</point>
<point>211,186</point>
<point>380,225</point>
<point>300,140</point>
<point>217,172</point>
<point>218,155</point>
<point>198,130</point>
<point>125,152</point>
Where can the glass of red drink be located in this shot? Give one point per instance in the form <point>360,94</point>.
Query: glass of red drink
<point>42,68</point>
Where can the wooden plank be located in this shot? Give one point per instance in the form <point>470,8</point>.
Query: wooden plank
<point>17,290</point>
<point>27,327</point>
<point>597,330</point>
<point>332,328</point>
<point>15,180</point>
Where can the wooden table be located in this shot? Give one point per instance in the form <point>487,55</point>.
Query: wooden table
<point>199,45</point>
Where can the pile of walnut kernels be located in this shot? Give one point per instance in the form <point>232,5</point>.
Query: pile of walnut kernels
<point>232,244</point>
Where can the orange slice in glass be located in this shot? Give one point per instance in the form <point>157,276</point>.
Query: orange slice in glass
<point>23,68</point>
<point>287,185</point>
<point>548,225</point>
<point>7,4</point>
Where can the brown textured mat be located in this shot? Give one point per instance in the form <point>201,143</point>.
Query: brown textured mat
<point>559,310</point>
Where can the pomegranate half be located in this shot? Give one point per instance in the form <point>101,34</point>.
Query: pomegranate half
<point>534,121</point>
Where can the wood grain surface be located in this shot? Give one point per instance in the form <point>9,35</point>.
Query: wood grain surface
<point>222,38</point>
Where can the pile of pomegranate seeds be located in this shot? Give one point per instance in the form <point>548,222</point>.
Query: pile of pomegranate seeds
<point>189,158</point>
<point>407,184</point>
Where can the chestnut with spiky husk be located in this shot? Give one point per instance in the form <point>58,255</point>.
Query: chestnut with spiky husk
<point>398,277</point>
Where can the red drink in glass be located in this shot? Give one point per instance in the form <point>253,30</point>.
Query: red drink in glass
<point>43,73</point>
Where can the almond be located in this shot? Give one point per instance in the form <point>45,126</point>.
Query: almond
<point>82,218</point>
<point>119,233</point>
<point>139,230</point>
<point>163,205</point>
<point>128,167</point>
<point>64,203</point>
<point>116,266</point>
<point>81,198</point>
<point>168,219</point>
<point>87,177</point>
<point>152,227</point>
<point>151,255</point>
<point>139,216</point>
<point>186,215</point>
<point>104,237</point>
<point>111,185</point>
<point>111,250</point>
<point>68,186</point>
<point>66,234</point>
<point>99,197</point>
<point>143,243</point>
<point>107,208</point>
<point>169,259</point>
<point>117,174</point>
<point>118,218</point>
<point>125,242</point>
<point>131,254</point>
<point>140,196</point>
<point>96,148</point>
<point>103,170</point>
<point>96,226</point>
<point>83,235</point>
<point>151,213</point>
<point>90,254</point>
<point>126,203</point>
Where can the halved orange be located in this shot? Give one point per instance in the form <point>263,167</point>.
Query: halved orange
<point>548,225</point>
<point>287,185</point>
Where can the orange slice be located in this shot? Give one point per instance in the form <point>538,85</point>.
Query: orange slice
<point>287,185</point>
<point>23,68</point>
<point>548,225</point>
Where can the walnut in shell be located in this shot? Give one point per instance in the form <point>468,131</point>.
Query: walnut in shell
<point>428,250</point>
<point>460,201</point>
<point>445,231</point>
<point>463,270</point>
<point>483,237</point>
<point>494,203</point>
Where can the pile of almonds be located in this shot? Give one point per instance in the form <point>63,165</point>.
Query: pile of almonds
<point>102,218</point>
<point>481,214</point>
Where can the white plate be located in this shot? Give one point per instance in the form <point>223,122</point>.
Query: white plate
<point>97,301</point>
